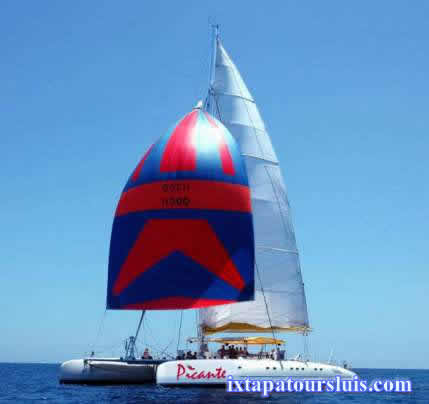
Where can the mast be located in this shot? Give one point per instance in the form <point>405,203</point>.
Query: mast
<point>208,106</point>
<point>130,343</point>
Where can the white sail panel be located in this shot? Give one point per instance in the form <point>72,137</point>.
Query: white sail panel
<point>279,286</point>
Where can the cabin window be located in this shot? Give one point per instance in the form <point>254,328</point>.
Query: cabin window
<point>297,368</point>
<point>320,369</point>
<point>315,368</point>
<point>274,368</point>
<point>239,367</point>
<point>291,368</point>
<point>267,367</point>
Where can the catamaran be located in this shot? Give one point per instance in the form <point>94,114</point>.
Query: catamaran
<point>204,223</point>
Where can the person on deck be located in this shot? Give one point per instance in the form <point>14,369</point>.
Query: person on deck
<point>146,354</point>
<point>221,352</point>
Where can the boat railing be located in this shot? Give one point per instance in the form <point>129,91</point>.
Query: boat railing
<point>87,361</point>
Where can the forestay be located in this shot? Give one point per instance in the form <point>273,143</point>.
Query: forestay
<point>279,286</point>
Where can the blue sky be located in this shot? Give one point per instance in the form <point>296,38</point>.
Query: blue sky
<point>87,86</point>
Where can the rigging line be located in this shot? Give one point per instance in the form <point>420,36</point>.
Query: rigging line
<point>100,327</point>
<point>149,330</point>
<point>207,105</point>
<point>140,323</point>
<point>165,349</point>
<point>266,307</point>
<point>198,326</point>
<point>156,348</point>
<point>217,107</point>
<point>306,346</point>
<point>180,330</point>
<point>159,350</point>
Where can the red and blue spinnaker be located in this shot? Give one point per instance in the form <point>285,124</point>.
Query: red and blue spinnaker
<point>182,235</point>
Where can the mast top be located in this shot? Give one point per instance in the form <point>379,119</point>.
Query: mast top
<point>215,28</point>
<point>199,105</point>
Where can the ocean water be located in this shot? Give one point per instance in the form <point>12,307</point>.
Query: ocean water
<point>32,383</point>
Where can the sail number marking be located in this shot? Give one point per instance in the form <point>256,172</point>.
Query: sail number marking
<point>171,199</point>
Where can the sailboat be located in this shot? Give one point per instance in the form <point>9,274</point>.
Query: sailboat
<point>204,223</point>
<point>279,304</point>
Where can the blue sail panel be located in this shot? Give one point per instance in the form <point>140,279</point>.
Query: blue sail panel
<point>182,235</point>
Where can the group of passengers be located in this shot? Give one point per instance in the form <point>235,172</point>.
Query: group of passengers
<point>232,352</point>
<point>188,355</point>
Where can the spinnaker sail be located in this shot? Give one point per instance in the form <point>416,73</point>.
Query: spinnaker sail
<point>182,235</point>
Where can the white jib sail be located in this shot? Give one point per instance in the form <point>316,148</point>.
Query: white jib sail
<point>277,273</point>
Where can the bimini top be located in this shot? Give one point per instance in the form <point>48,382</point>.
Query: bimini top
<point>248,341</point>
<point>182,235</point>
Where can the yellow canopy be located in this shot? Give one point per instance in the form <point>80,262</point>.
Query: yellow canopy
<point>248,341</point>
<point>250,328</point>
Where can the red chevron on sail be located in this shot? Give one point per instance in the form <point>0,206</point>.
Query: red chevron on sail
<point>136,172</point>
<point>180,153</point>
<point>195,238</point>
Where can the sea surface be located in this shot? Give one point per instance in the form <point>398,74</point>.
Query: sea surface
<point>32,383</point>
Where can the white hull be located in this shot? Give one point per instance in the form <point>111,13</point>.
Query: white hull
<point>107,371</point>
<point>215,371</point>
